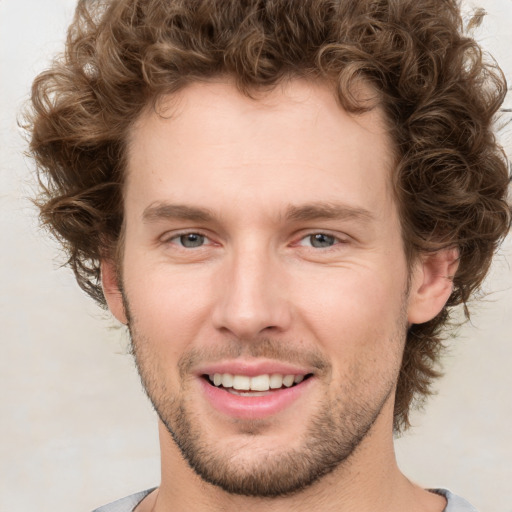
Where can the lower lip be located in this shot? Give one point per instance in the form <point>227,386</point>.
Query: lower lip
<point>253,407</point>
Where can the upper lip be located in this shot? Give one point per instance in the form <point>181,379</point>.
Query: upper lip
<point>252,368</point>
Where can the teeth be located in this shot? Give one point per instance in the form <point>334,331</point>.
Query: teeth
<point>258,383</point>
<point>227,380</point>
<point>276,381</point>
<point>241,382</point>
<point>288,380</point>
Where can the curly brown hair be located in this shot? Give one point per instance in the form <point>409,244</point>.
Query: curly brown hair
<point>437,90</point>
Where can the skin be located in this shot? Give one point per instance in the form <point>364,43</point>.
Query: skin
<point>257,290</point>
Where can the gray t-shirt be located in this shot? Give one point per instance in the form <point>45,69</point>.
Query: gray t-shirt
<point>125,504</point>
<point>455,503</point>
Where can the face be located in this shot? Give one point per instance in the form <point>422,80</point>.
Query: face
<point>264,281</point>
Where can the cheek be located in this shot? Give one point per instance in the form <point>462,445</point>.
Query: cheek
<point>167,305</point>
<point>356,315</point>
<point>350,296</point>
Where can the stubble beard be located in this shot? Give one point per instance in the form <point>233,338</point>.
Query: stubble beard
<point>329,441</point>
<point>327,444</point>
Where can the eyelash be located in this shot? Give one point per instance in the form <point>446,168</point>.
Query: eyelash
<point>184,234</point>
<point>336,240</point>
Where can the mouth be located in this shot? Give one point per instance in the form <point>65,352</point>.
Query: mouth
<point>249,393</point>
<point>254,386</point>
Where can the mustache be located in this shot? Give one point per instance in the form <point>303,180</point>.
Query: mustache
<point>234,348</point>
<point>265,347</point>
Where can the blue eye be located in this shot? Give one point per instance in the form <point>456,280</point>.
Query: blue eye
<point>191,240</point>
<point>319,240</point>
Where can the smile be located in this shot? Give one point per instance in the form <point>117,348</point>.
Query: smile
<point>255,396</point>
<point>254,386</point>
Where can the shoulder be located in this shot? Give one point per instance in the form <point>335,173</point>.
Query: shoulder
<point>454,503</point>
<point>125,504</point>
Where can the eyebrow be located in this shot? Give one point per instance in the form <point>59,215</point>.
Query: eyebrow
<point>328,211</point>
<point>162,211</point>
<point>307,212</point>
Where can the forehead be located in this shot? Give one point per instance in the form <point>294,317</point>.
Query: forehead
<point>209,143</point>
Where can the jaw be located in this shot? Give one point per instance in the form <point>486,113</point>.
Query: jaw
<point>244,445</point>
<point>367,470</point>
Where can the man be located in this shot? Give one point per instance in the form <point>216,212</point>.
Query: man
<point>282,201</point>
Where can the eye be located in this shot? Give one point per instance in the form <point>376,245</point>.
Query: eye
<point>189,240</point>
<point>319,241</point>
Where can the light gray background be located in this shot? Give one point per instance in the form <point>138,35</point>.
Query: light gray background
<point>76,430</point>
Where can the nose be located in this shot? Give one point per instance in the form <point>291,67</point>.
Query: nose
<point>252,296</point>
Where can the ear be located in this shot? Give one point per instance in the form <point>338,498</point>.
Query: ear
<point>112,290</point>
<point>431,284</point>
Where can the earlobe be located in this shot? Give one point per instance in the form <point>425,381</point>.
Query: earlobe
<point>431,284</point>
<point>112,290</point>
